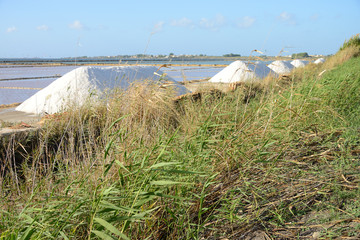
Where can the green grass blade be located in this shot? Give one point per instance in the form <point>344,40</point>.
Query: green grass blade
<point>111,228</point>
<point>164,164</point>
<point>121,165</point>
<point>102,235</point>
<point>167,182</point>
<point>28,233</point>
<point>63,235</point>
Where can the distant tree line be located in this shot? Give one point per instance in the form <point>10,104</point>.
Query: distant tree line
<point>300,55</point>
<point>231,55</point>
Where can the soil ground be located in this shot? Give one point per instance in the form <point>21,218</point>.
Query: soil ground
<point>13,122</point>
<point>13,116</point>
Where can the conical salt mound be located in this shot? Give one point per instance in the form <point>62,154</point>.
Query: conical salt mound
<point>85,83</point>
<point>240,71</point>
<point>299,63</point>
<point>281,67</point>
<point>320,60</point>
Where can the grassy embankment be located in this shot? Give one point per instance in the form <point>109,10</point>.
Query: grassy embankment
<point>284,164</point>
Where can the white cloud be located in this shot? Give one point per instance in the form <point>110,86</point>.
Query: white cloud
<point>213,24</point>
<point>158,27</point>
<point>183,22</point>
<point>77,25</point>
<point>245,22</point>
<point>43,28</point>
<point>11,29</point>
<point>287,17</point>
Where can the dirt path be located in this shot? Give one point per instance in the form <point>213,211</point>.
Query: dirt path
<point>16,122</point>
<point>13,116</point>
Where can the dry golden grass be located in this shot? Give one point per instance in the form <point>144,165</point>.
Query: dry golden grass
<point>315,70</point>
<point>206,86</point>
<point>341,57</point>
<point>146,107</point>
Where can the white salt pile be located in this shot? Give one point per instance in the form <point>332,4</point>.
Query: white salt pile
<point>85,83</point>
<point>299,63</point>
<point>281,67</point>
<point>240,71</point>
<point>320,60</point>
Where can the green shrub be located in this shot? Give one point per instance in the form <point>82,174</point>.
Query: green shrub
<point>232,55</point>
<point>300,55</point>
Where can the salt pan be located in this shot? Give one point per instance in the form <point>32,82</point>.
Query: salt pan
<point>84,83</point>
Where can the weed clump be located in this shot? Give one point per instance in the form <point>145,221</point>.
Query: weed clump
<point>354,41</point>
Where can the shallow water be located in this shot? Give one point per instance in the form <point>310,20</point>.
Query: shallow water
<point>8,96</point>
<point>31,71</point>
<point>31,83</point>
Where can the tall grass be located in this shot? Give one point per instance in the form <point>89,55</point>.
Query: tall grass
<point>277,161</point>
<point>354,41</point>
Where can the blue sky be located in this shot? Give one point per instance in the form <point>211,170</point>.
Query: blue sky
<point>53,28</point>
